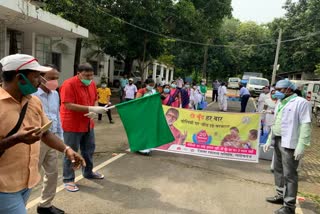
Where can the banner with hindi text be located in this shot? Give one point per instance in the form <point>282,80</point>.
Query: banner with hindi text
<point>222,135</point>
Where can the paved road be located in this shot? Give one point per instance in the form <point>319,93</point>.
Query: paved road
<point>167,183</point>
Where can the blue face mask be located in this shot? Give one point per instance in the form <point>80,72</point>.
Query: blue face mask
<point>166,90</point>
<point>173,85</point>
<point>279,95</point>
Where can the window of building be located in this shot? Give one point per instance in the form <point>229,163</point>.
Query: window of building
<point>43,49</point>
<point>118,65</point>
<point>95,67</point>
<point>56,59</point>
<point>316,88</point>
<point>15,41</point>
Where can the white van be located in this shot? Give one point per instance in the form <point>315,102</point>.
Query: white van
<point>312,92</point>
<point>233,82</point>
<point>256,84</point>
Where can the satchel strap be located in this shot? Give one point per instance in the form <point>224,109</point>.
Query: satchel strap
<point>17,126</point>
<point>21,117</point>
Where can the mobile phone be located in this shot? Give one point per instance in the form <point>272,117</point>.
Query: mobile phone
<point>45,128</point>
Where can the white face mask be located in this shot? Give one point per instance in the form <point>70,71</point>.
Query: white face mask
<point>103,85</point>
<point>149,88</point>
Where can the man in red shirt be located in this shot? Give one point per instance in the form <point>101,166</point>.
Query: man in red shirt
<point>78,107</point>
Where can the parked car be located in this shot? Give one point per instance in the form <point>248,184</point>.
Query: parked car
<point>312,94</point>
<point>233,82</point>
<point>255,85</point>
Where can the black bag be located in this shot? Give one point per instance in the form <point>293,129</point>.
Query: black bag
<point>18,125</point>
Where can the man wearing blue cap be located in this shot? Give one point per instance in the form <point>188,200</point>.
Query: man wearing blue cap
<point>290,134</point>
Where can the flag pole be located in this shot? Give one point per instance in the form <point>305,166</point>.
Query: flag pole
<point>110,107</point>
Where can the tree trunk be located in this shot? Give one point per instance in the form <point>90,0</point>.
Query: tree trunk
<point>205,62</point>
<point>77,56</point>
<point>128,66</point>
<point>144,57</point>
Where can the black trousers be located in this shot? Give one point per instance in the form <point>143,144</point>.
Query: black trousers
<point>244,102</point>
<point>215,95</point>
<point>285,173</point>
<point>108,113</point>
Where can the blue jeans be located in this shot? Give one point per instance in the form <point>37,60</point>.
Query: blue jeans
<point>86,142</point>
<point>15,202</point>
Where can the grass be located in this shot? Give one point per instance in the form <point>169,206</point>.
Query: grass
<point>313,197</point>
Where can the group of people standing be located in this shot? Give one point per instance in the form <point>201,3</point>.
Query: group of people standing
<point>220,95</point>
<point>177,94</point>
<point>22,115</point>
<point>184,95</point>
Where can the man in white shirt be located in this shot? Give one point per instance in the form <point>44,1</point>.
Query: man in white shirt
<point>130,90</point>
<point>262,98</point>
<point>291,132</point>
<point>222,97</point>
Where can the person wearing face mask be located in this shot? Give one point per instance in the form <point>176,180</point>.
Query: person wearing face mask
<point>130,90</point>
<point>185,95</point>
<point>195,97</point>
<point>78,108</point>
<point>244,95</point>
<point>222,97</point>
<point>290,134</point>
<point>48,157</point>
<point>262,98</point>
<point>179,83</point>
<point>104,94</point>
<point>175,96</point>
<point>21,116</point>
<point>165,95</point>
<point>269,106</point>
<point>148,89</point>
<point>143,92</point>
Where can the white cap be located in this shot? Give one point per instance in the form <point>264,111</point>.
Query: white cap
<point>17,62</point>
<point>130,79</point>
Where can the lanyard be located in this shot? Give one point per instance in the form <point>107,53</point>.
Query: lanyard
<point>285,103</point>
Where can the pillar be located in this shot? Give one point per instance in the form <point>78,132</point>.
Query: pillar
<point>154,72</point>
<point>3,40</point>
<point>161,71</point>
<point>167,75</point>
<point>106,66</point>
<point>146,72</point>
<point>171,78</point>
<point>29,42</point>
<point>111,70</point>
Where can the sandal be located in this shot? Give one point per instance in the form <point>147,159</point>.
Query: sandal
<point>96,175</point>
<point>74,187</point>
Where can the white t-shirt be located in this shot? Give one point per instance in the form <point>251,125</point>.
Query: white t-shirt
<point>130,91</point>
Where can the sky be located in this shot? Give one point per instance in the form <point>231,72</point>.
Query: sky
<point>260,11</point>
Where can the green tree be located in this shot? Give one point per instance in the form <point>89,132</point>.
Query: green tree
<point>302,18</point>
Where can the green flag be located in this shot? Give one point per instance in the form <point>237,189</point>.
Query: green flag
<point>145,123</point>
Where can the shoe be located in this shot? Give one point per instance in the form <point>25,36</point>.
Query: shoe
<point>71,187</point>
<point>49,210</point>
<point>275,199</point>
<point>285,210</point>
<point>95,175</point>
<point>144,153</point>
<point>111,122</point>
